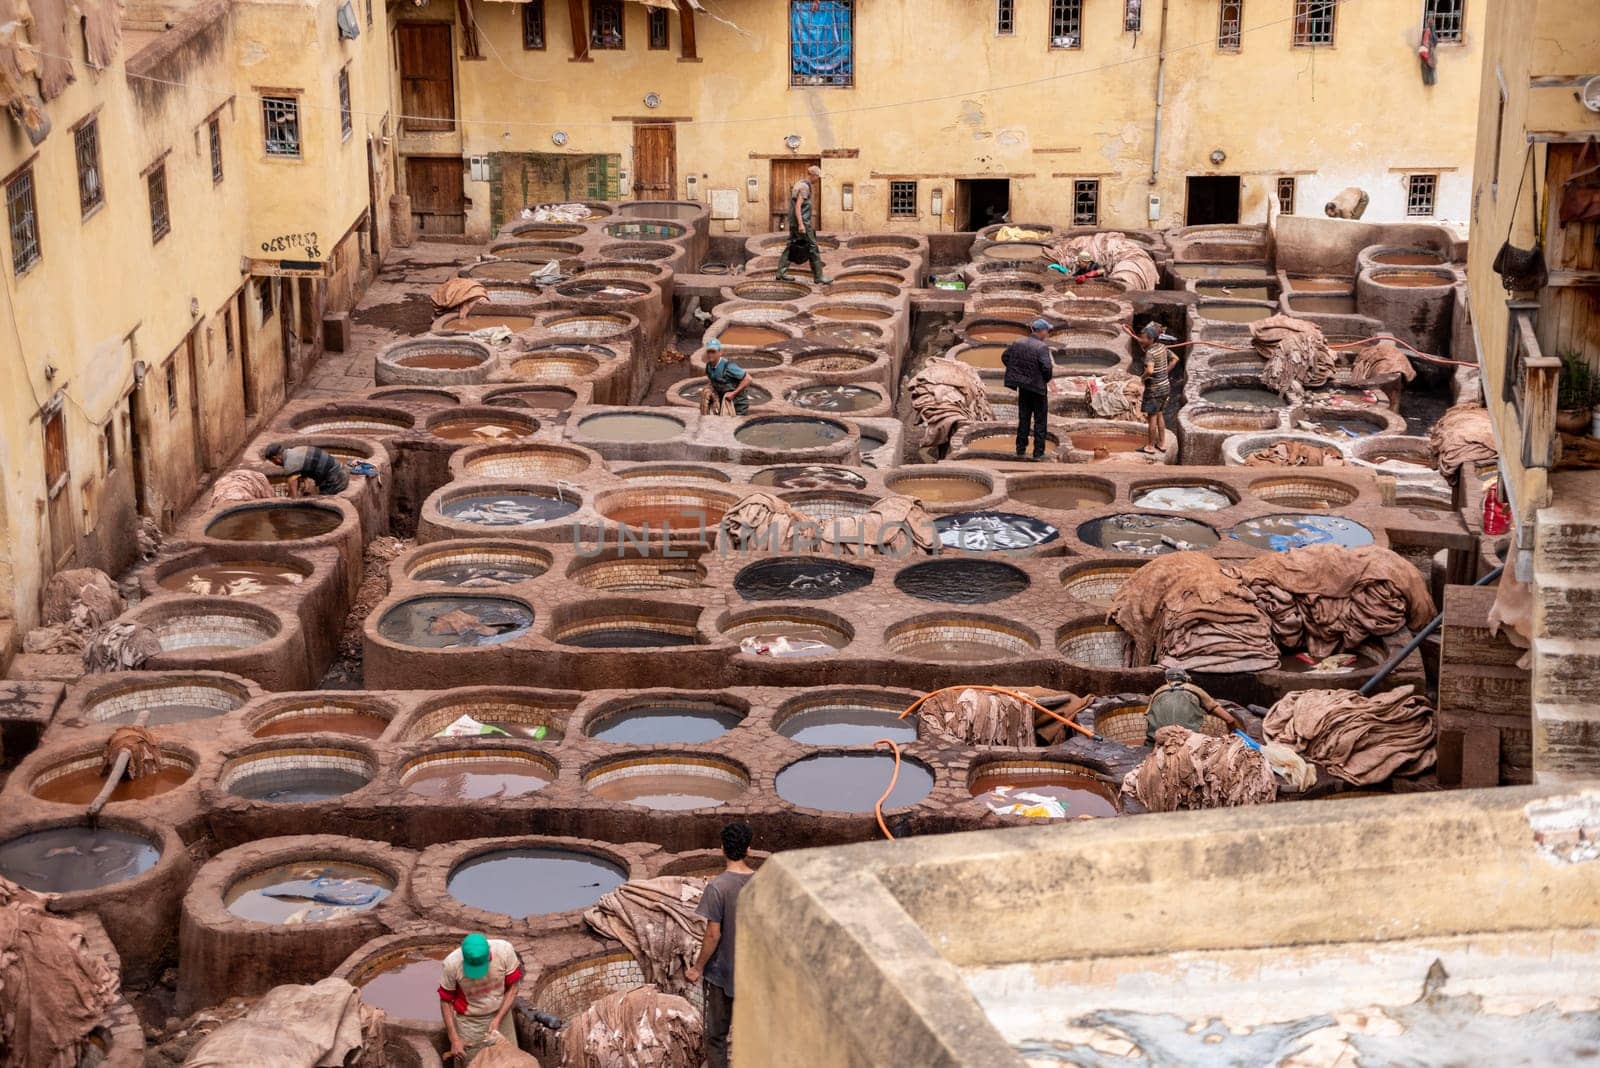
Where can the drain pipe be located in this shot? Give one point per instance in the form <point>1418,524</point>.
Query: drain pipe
<point>1161,84</point>
<point>1422,636</point>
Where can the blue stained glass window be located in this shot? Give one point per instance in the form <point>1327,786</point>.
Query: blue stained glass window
<point>821,42</point>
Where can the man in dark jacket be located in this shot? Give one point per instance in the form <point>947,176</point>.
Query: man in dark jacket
<point>802,246</point>
<point>1029,368</point>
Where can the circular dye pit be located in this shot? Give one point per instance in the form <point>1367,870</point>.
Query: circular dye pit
<point>323,716</point>
<point>668,783</point>
<point>424,397</point>
<point>1325,304</point>
<point>179,701</point>
<point>671,474</point>
<point>296,776</point>
<point>799,579</point>
<point>455,622</point>
<point>790,432</point>
<point>1095,583</point>
<point>444,360</point>
<point>959,640</point>
<point>476,775</point>
<point>845,722</point>
<point>482,428</point>
<point>668,722</point>
<point>1004,442</point>
<point>507,509</point>
<point>1311,494</point>
<point>1077,361</point>
<point>1181,498</point>
<point>1311,284</point>
<point>835,398</point>
<point>1235,313</point>
<point>1062,494</point>
<point>1408,258</point>
<point>939,489</point>
<point>479,565</point>
<point>1242,396</point>
<point>750,335</point>
<point>1150,535</point>
<point>808,476</point>
<point>527,463</point>
<point>983,357</point>
<point>663,510</point>
<point>629,572</point>
<point>1108,440</point>
<point>533,882</point>
<point>63,860</point>
<point>631,427</point>
<point>78,781</point>
<point>787,636</point>
<point>853,782</point>
<point>495,714</point>
<point>1283,532</point>
<point>857,335</point>
<point>555,399</point>
<point>193,632</point>
<point>696,388</point>
<point>852,313</point>
<point>995,330</point>
<point>406,985</point>
<point>486,320</point>
<point>986,532</point>
<point>1235,291</point>
<point>380,422</point>
<point>307,891</point>
<point>1099,645</point>
<point>1042,790</point>
<point>554,366</point>
<point>961,581</point>
<point>630,629</point>
<point>771,289</point>
<point>235,578</point>
<point>274,522</point>
<point>1015,250</point>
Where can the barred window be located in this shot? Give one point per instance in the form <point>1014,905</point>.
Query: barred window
<point>1086,202</point>
<point>533,25</point>
<point>227,331</point>
<point>160,221</point>
<point>214,128</point>
<point>281,118</point>
<point>108,445</point>
<point>822,42</point>
<point>1066,23</point>
<point>264,296</point>
<point>345,123</point>
<point>1313,22</point>
<point>605,24</point>
<point>1446,17</point>
<point>1132,15</point>
<point>23,216</point>
<point>1005,17</point>
<point>659,35</point>
<point>172,384</point>
<point>86,145</point>
<point>1230,25</point>
<point>1420,190</point>
<point>902,200</point>
<point>1285,196</point>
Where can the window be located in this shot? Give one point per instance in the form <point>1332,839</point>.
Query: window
<point>822,42</point>
<point>605,24</point>
<point>86,144</point>
<point>1420,189</point>
<point>160,222</point>
<point>214,128</point>
<point>23,218</point>
<point>1066,23</point>
<point>1313,22</point>
<point>345,124</point>
<point>369,14</point>
<point>533,25</point>
<point>108,446</point>
<point>1446,17</point>
<point>1086,202</point>
<point>1132,15</point>
<point>1005,17</point>
<point>264,296</point>
<point>172,385</point>
<point>657,21</point>
<point>1499,136</point>
<point>280,116</point>
<point>227,331</point>
<point>1285,196</point>
<point>1230,25</point>
<point>902,200</point>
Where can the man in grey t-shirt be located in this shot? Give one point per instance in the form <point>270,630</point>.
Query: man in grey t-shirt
<point>720,906</point>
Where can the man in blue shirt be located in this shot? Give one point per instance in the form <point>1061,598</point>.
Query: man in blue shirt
<point>727,378</point>
<point>714,965</point>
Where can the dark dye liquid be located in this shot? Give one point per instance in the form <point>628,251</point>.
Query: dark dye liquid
<point>983,357</point>
<point>791,433</point>
<point>1283,532</point>
<point>66,859</point>
<point>1237,395</point>
<point>984,532</point>
<point>627,638</point>
<point>666,724</point>
<point>1149,535</point>
<point>961,581</point>
<point>660,517</point>
<point>799,579</point>
<point>631,426</point>
<point>508,509</point>
<point>534,882</point>
<point>82,786</point>
<point>357,724</point>
<point>288,786</point>
<point>1080,360</point>
<point>848,725</point>
<point>852,782</point>
<point>809,476</point>
<point>448,622</point>
<point>284,894</point>
<point>476,574</point>
<point>277,522</point>
<point>409,988</point>
<point>477,779</point>
<point>835,398</point>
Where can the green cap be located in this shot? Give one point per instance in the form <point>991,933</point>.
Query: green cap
<point>474,956</point>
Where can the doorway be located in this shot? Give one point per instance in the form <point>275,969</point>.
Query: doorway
<point>427,81</point>
<point>247,373</point>
<point>136,457</point>
<point>58,488</point>
<point>1213,199</point>
<point>786,172</point>
<point>655,161</point>
<point>438,202</point>
<point>982,202</point>
<point>191,360</point>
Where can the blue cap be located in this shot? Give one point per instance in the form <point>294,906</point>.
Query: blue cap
<point>714,345</point>
<point>1040,324</point>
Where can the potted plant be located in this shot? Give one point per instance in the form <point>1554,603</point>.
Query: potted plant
<point>1575,394</point>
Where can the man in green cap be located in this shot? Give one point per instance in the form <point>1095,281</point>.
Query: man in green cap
<point>476,994</point>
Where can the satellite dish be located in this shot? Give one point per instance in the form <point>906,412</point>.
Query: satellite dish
<point>1590,94</point>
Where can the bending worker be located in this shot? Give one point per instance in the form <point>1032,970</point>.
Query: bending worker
<point>308,461</point>
<point>1183,704</point>
<point>802,244</point>
<point>1029,367</point>
<point>1158,364</point>
<point>728,380</point>
<point>1085,268</point>
<point>476,994</point>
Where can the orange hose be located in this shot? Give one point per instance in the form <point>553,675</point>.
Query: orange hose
<point>894,779</point>
<point>1085,731</point>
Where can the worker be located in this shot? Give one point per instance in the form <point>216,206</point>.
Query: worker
<point>1086,268</point>
<point>1029,367</point>
<point>476,994</point>
<point>1183,704</point>
<point>1158,364</point>
<point>727,378</point>
<point>802,230</point>
<point>719,904</point>
<point>308,461</point>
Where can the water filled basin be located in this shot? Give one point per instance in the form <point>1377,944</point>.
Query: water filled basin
<point>983,532</point>
<point>1291,531</point>
<point>508,509</point>
<point>1149,535</point>
<point>799,578</point>
<point>842,398</point>
<point>234,578</point>
<point>853,782</point>
<point>808,476</point>
<point>844,722</point>
<point>455,621</point>
<point>307,891</point>
<point>672,722</point>
<point>533,882</point>
<point>273,522</point>
<point>631,427</point>
<point>1042,790</point>
<point>406,987</point>
<point>476,775</point>
<point>66,859</point>
<point>669,785</point>
<point>1181,498</point>
<point>961,581</point>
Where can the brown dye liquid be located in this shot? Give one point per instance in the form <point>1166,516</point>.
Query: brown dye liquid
<point>752,336</point>
<point>358,724</point>
<point>1064,497</point>
<point>1001,442</point>
<point>441,361</point>
<point>513,323</point>
<point>239,577</point>
<point>1109,441</point>
<point>668,791</point>
<point>1411,279</point>
<point>249,900</point>
<point>996,332</point>
<point>940,490</point>
<point>1408,259</point>
<point>478,779</point>
<point>80,787</point>
<point>631,427</point>
<point>1319,285</point>
<point>559,399</point>
<point>958,650</point>
<point>1235,292</point>
<point>409,988</point>
<point>515,271</point>
<point>983,357</point>
<point>1323,305</point>
<point>1234,313</point>
<point>479,430</point>
<point>1080,795</point>
<point>273,524</point>
<point>860,315</point>
<point>661,516</point>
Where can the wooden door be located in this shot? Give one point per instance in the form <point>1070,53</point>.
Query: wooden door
<point>191,357</point>
<point>1569,308</point>
<point>58,488</point>
<point>291,348</point>
<point>137,428</point>
<point>655,161</point>
<point>427,82</point>
<point>786,172</point>
<point>437,202</point>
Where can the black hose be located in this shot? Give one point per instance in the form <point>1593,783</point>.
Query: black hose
<point>1421,636</point>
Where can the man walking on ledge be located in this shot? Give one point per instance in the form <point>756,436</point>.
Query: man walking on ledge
<point>802,244</point>
<point>1029,367</point>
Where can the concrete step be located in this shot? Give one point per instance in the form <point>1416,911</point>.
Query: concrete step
<point>1567,541</point>
<point>1564,671</point>
<point>1566,605</point>
<point>1566,740</point>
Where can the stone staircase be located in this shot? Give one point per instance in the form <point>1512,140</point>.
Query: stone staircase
<point>1566,629</point>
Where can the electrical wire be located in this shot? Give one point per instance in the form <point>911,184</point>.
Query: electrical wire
<point>1008,693</point>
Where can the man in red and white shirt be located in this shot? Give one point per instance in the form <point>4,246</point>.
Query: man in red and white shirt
<point>476,994</point>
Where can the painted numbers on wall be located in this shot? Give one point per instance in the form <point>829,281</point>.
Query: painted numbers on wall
<point>308,242</point>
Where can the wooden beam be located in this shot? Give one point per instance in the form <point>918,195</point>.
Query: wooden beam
<point>686,33</point>
<point>1575,279</point>
<point>1559,137</point>
<point>469,31</point>
<point>580,29</point>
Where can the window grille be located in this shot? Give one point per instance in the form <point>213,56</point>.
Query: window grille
<point>1066,23</point>
<point>822,42</point>
<point>1086,202</point>
<point>533,25</point>
<point>23,216</point>
<point>659,35</point>
<point>86,145</point>
<point>215,130</point>
<point>345,123</point>
<point>1447,17</point>
<point>1285,196</point>
<point>1420,190</point>
<point>1313,22</point>
<point>1005,17</point>
<point>902,200</point>
<point>160,221</point>
<point>1230,25</point>
<point>281,117</point>
<point>605,24</point>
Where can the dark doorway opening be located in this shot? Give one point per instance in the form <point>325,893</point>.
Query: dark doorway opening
<point>1212,199</point>
<point>982,202</point>
<point>136,456</point>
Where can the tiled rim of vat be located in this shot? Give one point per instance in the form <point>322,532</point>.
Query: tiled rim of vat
<point>1009,639</point>
<point>875,755</point>
<point>527,707</point>
<point>769,289</point>
<point>628,270</point>
<point>884,241</point>
<point>712,701</point>
<point>630,569</point>
<point>290,753</point>
<point>1378,275</point>
<point>821,699</point>
<point>824,505</point>
<point>986,767</point>
<point>282,710</point>
<point>531,560</point>
<point>222,554</point>
<point>687,393</point>
<point>640,251</point>
<point>1126,723</point>
<point>527,425</point>
<point>437,865</point>
<point>207,894</point>
<point>991,307</point>
<point>996,428</point>
<point>160,834</point>
<point>836,472</point>
<point>842,332</point>
<point>706,862</point>
<point>1237,448</point>
<point>878,259</point>
<point>592,288</point>
<point>353,418</point>
<point>464,752</point>
<point>424,396</point>
<point>645,229</point>
<point>670,473</point>
<point>882,312</point>
<point>1027,481</point>
<point>1146,485</point>
<point>708,503</point>
<point>535,251</point>
<point>571,621</point>
<point>530,230</point>
<point>57,761</point>
<point>1276,488</point>
<point>338,444</point>
<point>1091,642</point>
<point>610,324</point>
<point>393,361</point>
<point>741,623</point>
<point>118,700</point>
<point>573,986</point>
<point>1096,581</point>
<point>714,768</point>
<point>526,460</point>
<point>754,313</point>
<point>845,286</point>
<point>678,211</point>
<point>334,508</point>
<point>1197,414</point>
<point>1382,419</point>
<point>181,622</point>
<point>1018,285</point>
<point>513,394</point>
<point>553,366</point>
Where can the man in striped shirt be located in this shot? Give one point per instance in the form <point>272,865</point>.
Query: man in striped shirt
<point>1158,364</point>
